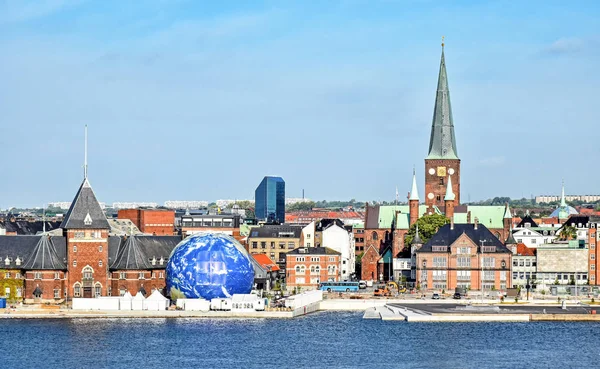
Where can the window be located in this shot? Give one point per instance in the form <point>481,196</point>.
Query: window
<point>74,263</point>
<point>463,275</point>
<point>122,275</point>
<point>99,248</point>
<point>17,275</point>
<point>79,234</point>
<point>290,245</point>
<point>439,248</point>
<point>99,262</point>
<point>300,269</point>
<point>300,280</point>
<point>272,244</point>
<point>282,245</point>
<point>20,291</point>
<point>515,263</point>
<point>439,261</point>
<point>75,248</point>
<point>315,269</point>
<point>441,181</point>
<point>315,259</point>
<point>77,290</point>
<point>527,263</point>
<point>439,275</point>
<point>122,291</point>
<point>521,263</point>
<point>463,250</point>
<point>96,234</point>
<point>141,275</point>
<point>593,266</point>
<point>439,198</point>
<point>56,293</point>
<point>263,245</point>
<point>56,275</point>
<point>332,259</point>
<point>308,244</point>
<point>374,236</point>
<point>97,290</point>
<point>254,244</point>
<point>7,275</point>
<point>161,275</point>
<point>272,256</point>
<point>331,270</point>
<point>18,261</point>
<point>533,240</point>
<point>463,262</point>
<point>592,256</point>
<point>489,262</point>
<point>489,275</point>
<point>519,240</point>
<point>37,275</point>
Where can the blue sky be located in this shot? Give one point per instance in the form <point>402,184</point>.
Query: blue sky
<point>200,100</point>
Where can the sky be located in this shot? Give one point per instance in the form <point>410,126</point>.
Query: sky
<point>198,100</point>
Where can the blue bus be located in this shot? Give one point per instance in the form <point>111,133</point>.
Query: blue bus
<point>339,286</point>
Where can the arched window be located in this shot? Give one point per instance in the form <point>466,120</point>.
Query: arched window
<point>374,236</point>
<point>98,290</point>
<point>75,248</point>
<point>77,290</point>
<point>88,272</point>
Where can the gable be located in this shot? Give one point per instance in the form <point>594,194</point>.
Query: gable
<point>463,241</point>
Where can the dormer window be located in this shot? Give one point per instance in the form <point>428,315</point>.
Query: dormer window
<point>154,260</point>
<point>7,261</point>
<point>88,220</point>
<point>18,261</point>
<point>162,260</point>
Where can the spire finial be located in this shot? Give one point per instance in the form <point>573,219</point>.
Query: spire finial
<point>85,155</point>
<point>442,42</point>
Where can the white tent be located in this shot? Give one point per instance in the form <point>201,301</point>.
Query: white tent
<point>137,303</point>
<point>156,301</point>
<point>125,301</point>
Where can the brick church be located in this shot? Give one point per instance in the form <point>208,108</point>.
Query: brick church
<point>386,225</point>
<point>86,260</point>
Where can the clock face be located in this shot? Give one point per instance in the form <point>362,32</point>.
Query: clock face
<point>430,196</point>
<point>451,171</point>
<point>431,171</point>
<point>441,171</point>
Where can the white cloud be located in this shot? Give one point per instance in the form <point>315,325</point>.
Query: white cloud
<point>566,45</point>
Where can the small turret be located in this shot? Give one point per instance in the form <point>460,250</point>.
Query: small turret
<point>449,199</point>
<point>413,201</point>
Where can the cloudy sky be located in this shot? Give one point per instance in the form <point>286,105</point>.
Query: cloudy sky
<point>194,100</point>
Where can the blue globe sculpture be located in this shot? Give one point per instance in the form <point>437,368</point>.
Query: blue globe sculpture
<point>210,266</point>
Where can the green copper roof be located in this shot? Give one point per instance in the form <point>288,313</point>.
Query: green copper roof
<point>386,215</point>
<point>442,144</point>
<point>489,216</point>
<point>564,210</point>
<point>358,226</point>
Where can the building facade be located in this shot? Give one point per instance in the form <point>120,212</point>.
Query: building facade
<point>269,200</point>
<point>462,255</point>
<point>307,267</point>
<point>274,241</point>
<point>158,222</point>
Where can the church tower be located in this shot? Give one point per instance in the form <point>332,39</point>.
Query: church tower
<point>86,230</point>
<point>442,159</point>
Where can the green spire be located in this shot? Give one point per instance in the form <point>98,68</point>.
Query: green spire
<point>449,194</point>
<point>563,213</point>
<point>442,144</point>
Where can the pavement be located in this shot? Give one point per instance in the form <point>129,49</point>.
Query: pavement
<point>456,308</point>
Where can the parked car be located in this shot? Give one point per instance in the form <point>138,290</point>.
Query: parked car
<point>435,296</point>
<point>362,285</point>
<point>457,296</point>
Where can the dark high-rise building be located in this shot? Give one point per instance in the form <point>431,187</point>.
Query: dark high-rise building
<point>269,200</point>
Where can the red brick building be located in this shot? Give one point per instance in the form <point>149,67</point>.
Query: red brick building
<point>160,222</point>
<point>593,237</point>
<point>307,267</point>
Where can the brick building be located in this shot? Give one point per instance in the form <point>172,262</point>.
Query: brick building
<point>456,256</point>
<point>274,241</point>
<point>306,267</point>
<point>593,238</point>
<point>228,224</point>
<point>160,222</point>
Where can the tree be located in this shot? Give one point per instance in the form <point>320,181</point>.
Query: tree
<point>358,264</point>
<point>301,206</point>
<point>428,226</point>
<point>568,233</point>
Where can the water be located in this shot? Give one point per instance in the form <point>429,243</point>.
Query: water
<point>323,340</point>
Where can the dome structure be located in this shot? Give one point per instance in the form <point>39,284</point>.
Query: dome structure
<point>569,210</point>
<point>210,266</point>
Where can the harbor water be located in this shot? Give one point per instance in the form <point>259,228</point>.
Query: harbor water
<point>321,340</point>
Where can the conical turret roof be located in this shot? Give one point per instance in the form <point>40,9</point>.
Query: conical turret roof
<point>449,193</point>
<point>44,256</point>
<point>85,211</point>
<point>414,192</point>
<point>130,256</point>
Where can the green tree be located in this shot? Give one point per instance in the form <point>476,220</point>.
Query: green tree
<point>568,233</point>
<point>358,264</point>
<point>301,206</point>
<point>428,226</point>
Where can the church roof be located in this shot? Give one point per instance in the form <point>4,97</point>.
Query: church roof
<point>442,144</point>
<point>44,256</point>
<point>85,211</point>
<point>387,212</point>
<point>492,216</point>
<point>414,192</point>
<point>137,252</point>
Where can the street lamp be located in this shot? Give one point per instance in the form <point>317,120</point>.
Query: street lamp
<point>482,259</point>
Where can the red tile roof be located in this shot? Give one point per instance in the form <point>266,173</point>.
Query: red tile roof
<point>523,250</point>
<point>265,262</point>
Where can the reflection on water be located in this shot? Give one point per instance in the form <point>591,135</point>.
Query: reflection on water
<point>324,340</point>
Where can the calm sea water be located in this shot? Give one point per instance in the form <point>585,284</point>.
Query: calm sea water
<point>323,340</point>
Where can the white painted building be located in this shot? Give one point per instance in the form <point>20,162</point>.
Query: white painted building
<point>308,235</point>
<point>342,241</point>
<point>534,237</point>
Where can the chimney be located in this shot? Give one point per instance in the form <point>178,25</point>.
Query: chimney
<point>452,223</point>
<point>476,223</point>
<point>469,217</point>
